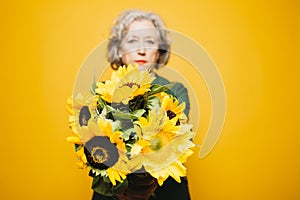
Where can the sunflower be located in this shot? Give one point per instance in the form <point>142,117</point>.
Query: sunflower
<point>146,128</point>
<point>80,124</point>
<point>175,169</point>
<point>132,84</point>
<point>96,144</point>
<point>97,128</point>
<point>167,146</point>
<point>107,88</point>
<point>80,109</point>
<point>125,84</point>
<point>172,107</point>
<point>101,149</point>
<point>156,124</point>
<point>167,161</point>
<point>106,159</point>
<point>101,153</point>
<point>84,134</point>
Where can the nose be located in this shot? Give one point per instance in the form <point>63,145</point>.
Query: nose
<point>141,50</point>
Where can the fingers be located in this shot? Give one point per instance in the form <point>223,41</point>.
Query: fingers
<point>139,192</point>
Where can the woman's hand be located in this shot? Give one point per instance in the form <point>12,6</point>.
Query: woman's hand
<point>140,187</point>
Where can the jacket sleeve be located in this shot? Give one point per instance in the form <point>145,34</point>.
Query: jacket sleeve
<point>178,90</point>
<point>181,93</point>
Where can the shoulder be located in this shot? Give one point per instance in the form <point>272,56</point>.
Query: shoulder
<point>160,80</point>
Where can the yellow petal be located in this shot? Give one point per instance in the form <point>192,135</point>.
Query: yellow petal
<point>85,134</point>
<point>83,158</point>
<point>111,176</point>
<point>115,175</point>
<point>69,106</point>
<point>80,165</point>
<point>184,156</point>
<point>123,93</point>
<point>161,180</point>
<point>69,109</point>
<point>160,175</point>
<point>177,170</point>
<point>74,139</point>
<point>135,163</point>
<point>122,175</point>
<point>115,137</point>
<point>94,128</point>
<point>143,121</point>
<point>135,150</point>
<point>144,143</point>
<point>80,152</point>
<point>105,126</point>
<point>140,91</point>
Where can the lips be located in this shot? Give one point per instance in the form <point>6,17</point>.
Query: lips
<point>141,62</point>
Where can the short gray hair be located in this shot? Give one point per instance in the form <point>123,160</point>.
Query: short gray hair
<point>121,25</point>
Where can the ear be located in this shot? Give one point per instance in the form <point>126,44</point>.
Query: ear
<point>119,53</point>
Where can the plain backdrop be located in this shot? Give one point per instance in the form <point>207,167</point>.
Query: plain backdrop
<point>255,45</point>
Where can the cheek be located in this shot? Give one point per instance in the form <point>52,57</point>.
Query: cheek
<point>127,59</point>
<point>154,55</point>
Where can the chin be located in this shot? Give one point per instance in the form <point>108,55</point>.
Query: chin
<point>146,67</point>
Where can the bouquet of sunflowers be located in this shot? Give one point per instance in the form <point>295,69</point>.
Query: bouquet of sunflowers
<point>128,125</point>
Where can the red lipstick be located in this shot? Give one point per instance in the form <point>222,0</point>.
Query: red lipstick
<point>141,62</point>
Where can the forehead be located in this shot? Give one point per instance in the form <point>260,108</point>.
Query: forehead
<point>142,28</point>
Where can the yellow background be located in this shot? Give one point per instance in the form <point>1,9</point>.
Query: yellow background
<point>255,46</point>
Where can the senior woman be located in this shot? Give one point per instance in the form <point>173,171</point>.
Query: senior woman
<point>139,37</point>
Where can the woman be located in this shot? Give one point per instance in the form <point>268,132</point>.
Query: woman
<point>139,38</point>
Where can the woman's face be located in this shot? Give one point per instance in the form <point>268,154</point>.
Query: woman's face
<point>140,45</point>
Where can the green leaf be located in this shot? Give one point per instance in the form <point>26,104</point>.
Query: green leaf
<point>121,115</point>
<point>102,187</point>
<point>153,102</point>
<point>78,147</point>
<point>95,180</point>
<point>109,109</point>
<point>126,133</point>
<point>126,115</point>
<point>106,179</point>
<point>101,103</point>
<point>119,188</point>
<point>116,125</point>
<point>138,102</point>
<point>138,113</point>
<point>160,88</point>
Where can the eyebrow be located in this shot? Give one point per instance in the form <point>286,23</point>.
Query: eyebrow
<point>136,37</point>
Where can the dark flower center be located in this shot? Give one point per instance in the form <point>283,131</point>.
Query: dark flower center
<point>156,144</point>
<point>171,114</point>
<point>130,84</point>
<point>101,153</point>
<point>84,116</point>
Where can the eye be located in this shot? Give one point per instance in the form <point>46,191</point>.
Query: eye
<point>132,41</point>
<point>150,42</point>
